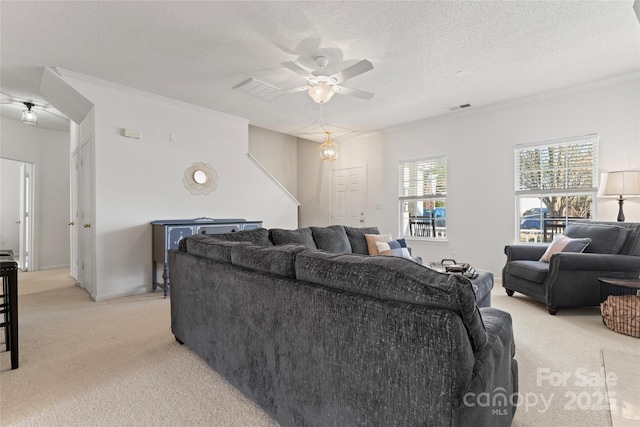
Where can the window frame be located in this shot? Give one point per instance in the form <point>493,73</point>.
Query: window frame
<point>582,148</point>
<point>408,185</point>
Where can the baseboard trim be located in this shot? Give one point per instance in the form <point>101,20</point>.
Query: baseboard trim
<point>54,267</point>
<point>136,291</point>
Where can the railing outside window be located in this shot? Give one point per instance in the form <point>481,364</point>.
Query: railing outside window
<point>556,181</point>
<point>423,196</point>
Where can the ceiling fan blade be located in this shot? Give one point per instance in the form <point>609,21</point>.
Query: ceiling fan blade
<point>292,66</point>
<point>352,71</point>
<point>276,93</point>
<point>353,92</point>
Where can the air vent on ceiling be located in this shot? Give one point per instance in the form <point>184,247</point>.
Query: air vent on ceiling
<point>460,107</point>
<point>255,87</point>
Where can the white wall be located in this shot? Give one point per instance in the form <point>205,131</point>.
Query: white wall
<point>314,178</point>
<point>9,204</point>
<point>277,152</point>
<point>49,152</point>
<point>313,185</point>
<point>140,180</point>
<point>479,145</point>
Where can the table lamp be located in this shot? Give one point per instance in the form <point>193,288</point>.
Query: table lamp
<point>622,183</point>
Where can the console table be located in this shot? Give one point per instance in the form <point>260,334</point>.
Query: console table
<point>168,233</point>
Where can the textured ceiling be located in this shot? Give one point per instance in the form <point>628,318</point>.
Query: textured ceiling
<point>428,56</point>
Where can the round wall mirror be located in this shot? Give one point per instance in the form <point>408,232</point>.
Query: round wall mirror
<point>200,177</point>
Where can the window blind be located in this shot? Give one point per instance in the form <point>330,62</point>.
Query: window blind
<point>423,179</point>
<point>568,165</point>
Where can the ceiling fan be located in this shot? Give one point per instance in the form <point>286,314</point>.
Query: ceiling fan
<point>321,87</point>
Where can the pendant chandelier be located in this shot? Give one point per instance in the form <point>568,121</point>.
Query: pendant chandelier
<point>329,149</point>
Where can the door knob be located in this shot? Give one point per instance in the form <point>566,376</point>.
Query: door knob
<point>17,222</point>
<point>71,223</point>
<point>362,220</point>
<point>87,226</point>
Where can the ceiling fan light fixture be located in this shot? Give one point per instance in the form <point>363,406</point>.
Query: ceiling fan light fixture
<point>321,92</point>
<point>28,116</point>
<point>329,149</point>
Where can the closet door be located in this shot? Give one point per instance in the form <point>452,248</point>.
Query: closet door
<point>74,210</point>
<point>25,251</point>
<point>86,254</point>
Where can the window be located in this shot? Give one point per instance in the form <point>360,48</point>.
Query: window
<point>423,196</point>
<point>555,182</point>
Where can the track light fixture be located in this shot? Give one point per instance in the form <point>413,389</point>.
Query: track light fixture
<point>28,116</point>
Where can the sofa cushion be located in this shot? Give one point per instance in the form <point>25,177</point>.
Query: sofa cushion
<point>394,279</point>
<point>562,243</point>
<point>301,236</point>
<point>257,236</point>
<point>605,239</point>
<point>393,248</point>
<point>270,259</point>
<point>372,239</point>
<point>357,239</point>
<point>209,247</point>
<point>332,239</point>
<point>533,271</point>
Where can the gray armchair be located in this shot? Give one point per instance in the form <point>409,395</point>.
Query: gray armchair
<point>571,279</point>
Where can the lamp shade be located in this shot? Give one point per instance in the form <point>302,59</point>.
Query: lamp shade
<point>622,183</point>
<point>321,92</point>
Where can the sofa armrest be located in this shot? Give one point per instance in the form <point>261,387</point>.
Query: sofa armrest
<point>495,373</point>
<point>525,252</point>
<point>594,262</point>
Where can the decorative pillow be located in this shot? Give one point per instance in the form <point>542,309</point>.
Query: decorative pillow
<point>373,238</point>
<point>394,248</point>
<point>562,243</point>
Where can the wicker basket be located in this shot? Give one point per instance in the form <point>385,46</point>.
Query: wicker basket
<point>621,313</point>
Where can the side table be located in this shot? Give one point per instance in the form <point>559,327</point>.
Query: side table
<point>615,286</point>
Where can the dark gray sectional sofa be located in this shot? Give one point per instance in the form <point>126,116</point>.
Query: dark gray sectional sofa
<point>334,338</point>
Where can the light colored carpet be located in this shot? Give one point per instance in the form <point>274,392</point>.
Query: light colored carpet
<point>623,387</point>
<point>562,379</point>
<point>112,363</point>
<point>116,363</point>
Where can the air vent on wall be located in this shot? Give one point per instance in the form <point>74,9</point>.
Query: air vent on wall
<point>460,107</point>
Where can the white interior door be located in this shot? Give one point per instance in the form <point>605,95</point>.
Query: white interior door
<point>74,219</point>
<point>348,196</point>
<point>85,246</point>
<point>25,259</point>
